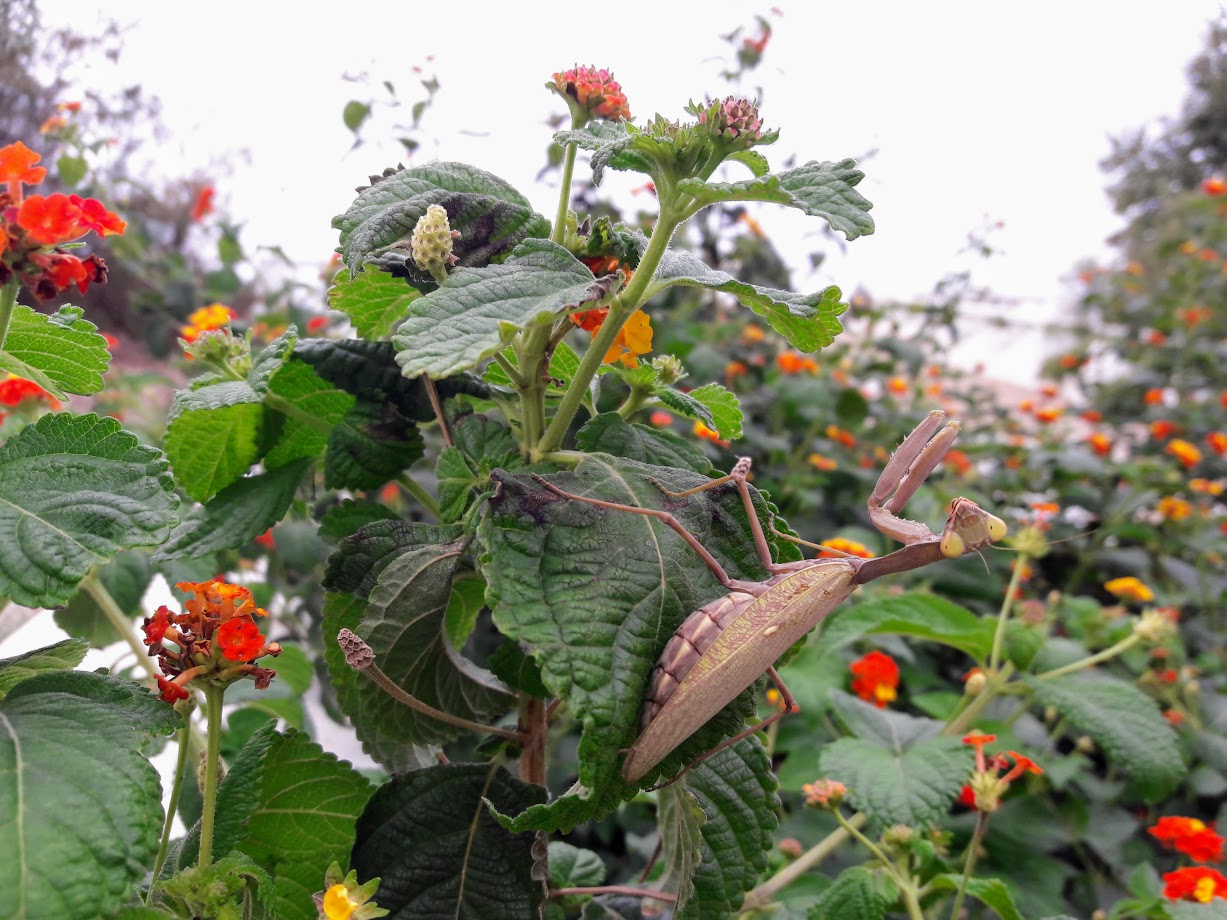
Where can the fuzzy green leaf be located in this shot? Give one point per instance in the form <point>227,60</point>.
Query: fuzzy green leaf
<point>808,321</point>
<point>824,190</point>
<point>476,311</point>
<point>74,491</point>
<point>572,867</point>
<point>921,616</point>
<point>80,807</point>
<point>302,388</point>
<point>722,406</point>
<point>991,891</point>
<point>855,895</point>
<point>66,353</point>
<point>429,838</point>
<point>898,769</point>
<point>125,578</point>
<point>236,515</point>
<point>372,444</point>
<point>613,146</point>
<point>62,656</point>
<point>1124,722</point>
<point>360,559</point>
<point>607,433</point>
<point>490,215</point>
<point>374,301</point>
<point>594,594</point>
<point>345,519</point>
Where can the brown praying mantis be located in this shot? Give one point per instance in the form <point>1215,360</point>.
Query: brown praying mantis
<point>726,645</point>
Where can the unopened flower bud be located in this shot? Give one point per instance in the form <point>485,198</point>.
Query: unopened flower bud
<point>591,93</point>
<point>826,793</point>
<point>1153,627</point>
<point>431,243</point>
<point>975,683</point>
<point>668,369</point>
<point>358,654</point>
<point>897,836</point>
<point>1085,744</point>
<point>1051,714</point>
<point>791,847</point>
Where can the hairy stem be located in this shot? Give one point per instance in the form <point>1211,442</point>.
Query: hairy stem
<point>1020,563</point>
<point>1110,652</point>
<point>973,850</point>
<point>559,230</point>
<point>184,740</point>
<point>534,727</point>
<point>427,501</point>
<point>765,893</point>
<point>213,714</point>
<point>616,889</point>
<point>119,621</point>
<point>8,299</point>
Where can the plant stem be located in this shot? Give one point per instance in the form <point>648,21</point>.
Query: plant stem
<point>185,738</point>
<point>213,714</point>
<point>1110,652</point>
<point>8,299</point>
<point>616,889</point>
<point>904,883</point>
<point>1003,617</point>
<point>619,311</point>
<point>559,230</point>
<point>409,484</point>
<point>513,372</point>
<point>118,620</point>
<point>965,719</point>
<point>766,892</point>
<point>973,849</point>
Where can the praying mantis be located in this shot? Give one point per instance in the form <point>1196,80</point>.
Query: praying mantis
<point>726,645</point>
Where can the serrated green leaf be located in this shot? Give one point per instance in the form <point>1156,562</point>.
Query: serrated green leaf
<point>855,895</point>
<point>1125,723</point>
<point>752,159</point>
<point>351,515</point>
<point>62,656</point>
<point>573,867</point>
<point>358,562</point>
<point>684,404</point>
<point>313,398</point>
<point>824,190</point>
<point>125,578</point>
<point>735,790</point>
<point>898,769</point>
<point>807,321</point>
<point>613,145</point>
<point>372,444</point>
<point>607,433</point>
<point>236,515</point>
<point>724,408</point>
<point>490,215</point>
<point>70,745</point>
<point>472,314</point>
<point>374,301</point>
<point>74,491</point>
<point>991,891</point>
<point>596,648</point>
<point>916,614</point>
<point>67,351</point>
<point>428,837</point>
<point>291,807</point>
<point>456,483</point>
<point>467,599</point>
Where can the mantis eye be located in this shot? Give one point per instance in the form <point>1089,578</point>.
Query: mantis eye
<point>996,527</point>
<point>952,544</point>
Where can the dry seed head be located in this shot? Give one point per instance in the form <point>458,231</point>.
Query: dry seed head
<point>357,653</point>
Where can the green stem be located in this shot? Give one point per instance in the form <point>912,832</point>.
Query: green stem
<point>8,299</point>
<point>619,311</point>
<point>871,847</point>
<point>1003,617</point>
<point>513,372</point>
<point>185,739</point>
<point>427,500</point>
<point>965,719</point>
<point>118,620</point>
<point>973,849</point>
<point>765,893</point>
<point>1110,652</point>
<point>213,711</point>
<point>638,396</point>
<point>559,231</point>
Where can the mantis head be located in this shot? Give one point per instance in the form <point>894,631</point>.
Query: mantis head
<point>968,528</point>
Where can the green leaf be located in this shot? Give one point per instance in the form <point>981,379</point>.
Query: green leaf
<point>490,215</point>
<point>213,432</point>
<point>1191,910</point>
<point>991,891</point>
<point>351,515</point>
<point>80,807</point>
<point>62,656</point>
<point>291,807</point>
<point>456,484</point>
<point>430,839</point>
<point>408,571</point>
<point>915,614</point>
<point>125,578</point>
<point>898,769</point>
<point>372,444</point>
<point>62,353</point>
<point>467,600</point>
<point>612,144</point>
<point>476,311</point>
<point>313,398</point>
<point>236,515</point>
<point>755,161</point>
<point>375,302</point>
<point>594,594</point>
<point>220,889</point>
<point>824,190</point>
<point>71,170</point>
<point>354,114</point>
<point>807,321</point>
<point>735,791</point>
<point>856,894</point>
<point>724,408</point>
<point>607,433</point>
<point>1124,722</point>
<point>572,867</point>
<point>74,491</point>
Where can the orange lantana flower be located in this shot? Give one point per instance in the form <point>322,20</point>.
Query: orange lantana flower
<point>17,168</point>
<point>1189,836</point>
<point>793,362</point>
<point>1194,883</point>
<point>1130,588</point>
<point>206,319</point>
<point>1100,443</point>
<point>1185,452</point>
<point>1218,442</point>
<point>1173,508</point>
<point>844,547</point>
<point>876,678</point>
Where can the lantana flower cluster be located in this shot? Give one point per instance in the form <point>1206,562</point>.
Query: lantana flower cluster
<point>34,229</point>
<point>875,678</point>
<point>591,93</point>
<point>213,642</point>
<point>993,773</point>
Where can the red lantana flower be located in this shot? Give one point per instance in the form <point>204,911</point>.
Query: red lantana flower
<point>155,626</point>
<point>16,390</point>
<point>171,691</point>
<point>203,205</point>
<point>239,639</point>
<point>17,167</point>
<point>1194,883</point>
<point>1189,836</point>
<point>59,218</point>
<point>876,678</point>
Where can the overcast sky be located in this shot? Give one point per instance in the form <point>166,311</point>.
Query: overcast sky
<point>977,111</point>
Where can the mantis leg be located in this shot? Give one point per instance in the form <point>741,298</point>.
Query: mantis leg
<point>738,476</point>
<point>789,706</point>
<point>665,518</point>
<point>907,468</point>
